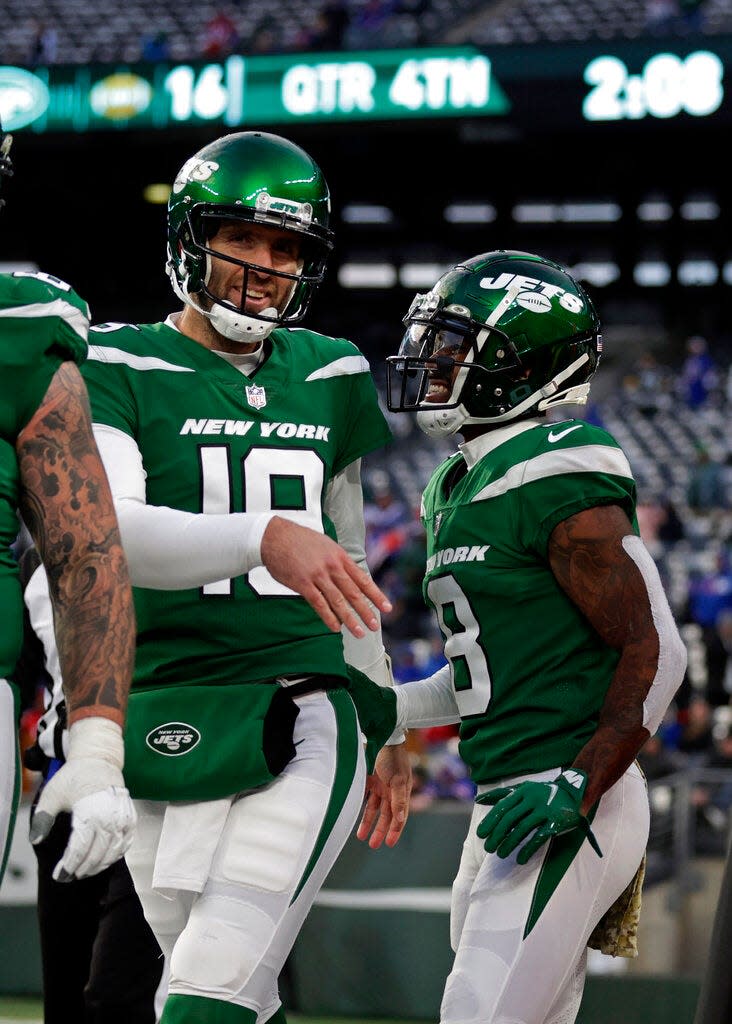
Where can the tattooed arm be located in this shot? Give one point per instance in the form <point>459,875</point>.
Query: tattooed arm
<point>607,572</point>
<point>67,507</point>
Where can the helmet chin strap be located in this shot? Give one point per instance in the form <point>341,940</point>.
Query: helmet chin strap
<point>239,327</point>
<point>441,422</point>
<point>444,422</point>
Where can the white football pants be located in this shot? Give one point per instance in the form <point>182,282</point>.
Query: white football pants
<point>278,844</point>
<point>10,770</point>
<point>501,975</point>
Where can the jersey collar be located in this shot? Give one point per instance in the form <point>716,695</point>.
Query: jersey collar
<point>473,451</point>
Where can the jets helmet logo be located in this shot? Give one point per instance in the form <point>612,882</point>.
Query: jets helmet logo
<point>194,169</point>
<point>542,289</point>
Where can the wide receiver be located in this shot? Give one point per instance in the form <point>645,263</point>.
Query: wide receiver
<point>232,438</point>
<point>50,470</point>
<point>563,653</point>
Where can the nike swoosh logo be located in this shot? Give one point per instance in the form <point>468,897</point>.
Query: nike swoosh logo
<point>562,433</point>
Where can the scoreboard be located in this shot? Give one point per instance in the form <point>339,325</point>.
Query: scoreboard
<point>239,91</point>
<point>532,89</point>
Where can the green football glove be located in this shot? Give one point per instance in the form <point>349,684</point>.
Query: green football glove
<point>536,809</point>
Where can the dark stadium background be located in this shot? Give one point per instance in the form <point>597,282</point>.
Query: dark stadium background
<point>77,206</point>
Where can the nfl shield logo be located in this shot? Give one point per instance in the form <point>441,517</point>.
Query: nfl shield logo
<point>256,396</point>
<point>438,523</point>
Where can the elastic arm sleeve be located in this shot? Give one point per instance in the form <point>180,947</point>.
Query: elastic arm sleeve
<point>344,506</point>
<point>168,549</point>
<point>427,702</point>
<point>672,654</point>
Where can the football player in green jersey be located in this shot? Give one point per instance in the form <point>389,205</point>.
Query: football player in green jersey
<point>562,651</point>
<point>232,439</point>
<point>50,470</point>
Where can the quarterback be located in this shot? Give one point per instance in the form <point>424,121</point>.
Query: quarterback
<point>562,650</point>
<point>50,469</point>
<point>232,439</point>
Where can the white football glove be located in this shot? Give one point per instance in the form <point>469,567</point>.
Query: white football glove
<point>90,785</point>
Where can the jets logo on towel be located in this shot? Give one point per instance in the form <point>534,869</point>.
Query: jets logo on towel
<point>173,739</point>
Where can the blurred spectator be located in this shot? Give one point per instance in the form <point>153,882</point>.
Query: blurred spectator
<point>415,9</point>
<point>372,14</point>
<point>691,15</point>
<point>367,22</point>
<point>713,799</point>
<point>327,30</point>
<point>671,526</point>
<point>659,523</point>
<point>696,727</point>
<point>155,47</point>
<point>402,582</point>
<point>385,517</point>
<point>649,385</point>
<point>657,760</point>
<point>447,775</point>
<point>660,16</point>
<point>44,47</point>
<point>707,489</point>
<point>699,376</point>
<point>717,641</point>
<point>264,39</point>
<point>677,16</point>
<point>711,594</point>
<point>220,37</point>
<point>418,659</point>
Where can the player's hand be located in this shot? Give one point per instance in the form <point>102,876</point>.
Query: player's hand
<point>320,571</point>
<point>387,798</point>
<point>90,785</point>
<point>535,811</point>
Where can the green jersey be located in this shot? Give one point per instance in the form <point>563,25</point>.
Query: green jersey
<point>529,672</point>
<point>42,323</point>
<point>216,441</point>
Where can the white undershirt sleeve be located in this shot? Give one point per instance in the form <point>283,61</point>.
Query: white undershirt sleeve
<point>672,654</point>
<point>166,548</point>
<point>343,504</point>
<point>427,702</point>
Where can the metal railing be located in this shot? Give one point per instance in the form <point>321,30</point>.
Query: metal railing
<point>691,816</point>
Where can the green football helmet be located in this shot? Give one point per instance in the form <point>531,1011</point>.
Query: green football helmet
<point>501,336</point>
<point>6,167</point>
<point>262,179</point>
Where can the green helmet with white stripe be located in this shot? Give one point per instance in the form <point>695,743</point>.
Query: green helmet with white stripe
<point>499,337</point>
<point>254,178</point>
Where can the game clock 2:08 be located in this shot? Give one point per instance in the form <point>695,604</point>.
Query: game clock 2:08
<point>667,85</point>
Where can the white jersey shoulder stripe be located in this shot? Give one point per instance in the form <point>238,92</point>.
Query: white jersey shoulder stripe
<point>73,316</point>
<point>340,368</point>
<point>590,458</point>
<point>104,354</point>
